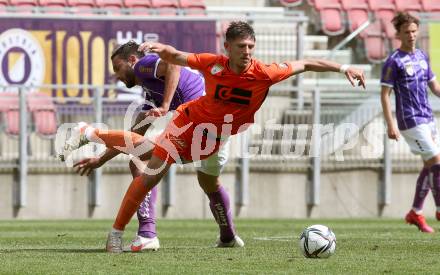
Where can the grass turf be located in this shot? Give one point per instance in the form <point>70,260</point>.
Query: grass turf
<point>368,246</point>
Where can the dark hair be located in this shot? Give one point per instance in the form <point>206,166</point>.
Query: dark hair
<point>127,49</point>
<point>239,29</point>
<point>403,18</point>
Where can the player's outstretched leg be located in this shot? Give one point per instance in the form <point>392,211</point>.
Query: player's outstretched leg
<point>415,216</point>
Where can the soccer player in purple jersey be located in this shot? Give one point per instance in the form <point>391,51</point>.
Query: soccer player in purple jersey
<point>407,71</point>
<point>166,86</point>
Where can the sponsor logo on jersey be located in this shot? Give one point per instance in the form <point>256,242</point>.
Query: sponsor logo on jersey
<point>216,69</point>
<point>233,95</point>
<point>409,69</point>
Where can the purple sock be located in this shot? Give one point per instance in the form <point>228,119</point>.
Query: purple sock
<point>219,204</point>
<point>147,215</point>
<point>422,189</point>
<point>435,183</point>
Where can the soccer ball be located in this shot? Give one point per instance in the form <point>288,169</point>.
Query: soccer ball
<point>317,241</point>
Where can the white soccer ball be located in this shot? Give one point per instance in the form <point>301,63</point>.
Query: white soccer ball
<point>317,241</point>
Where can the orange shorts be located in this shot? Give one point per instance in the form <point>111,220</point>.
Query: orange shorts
<point>182,141</point>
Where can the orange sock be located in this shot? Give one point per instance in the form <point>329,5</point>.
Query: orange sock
<point>134,196</point>
<point>120,138</point>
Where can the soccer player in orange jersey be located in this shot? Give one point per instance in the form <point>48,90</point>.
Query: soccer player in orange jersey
<point>236,86</point>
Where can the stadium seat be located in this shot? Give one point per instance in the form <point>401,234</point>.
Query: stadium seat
<point>431,5</point>
<point>408,5</point>
<point>43,114</point>
<point>24,6</point>
<point>376,48</point>
<point>192,7</point>
<point>3,5</point>
<point>53,6</point>
<point>110,6</point>
<point>357,12</point>
<point>291,3</point>
<point>9,109</point>
<point>330,12</point>
<point>384,11</point>
<point>138,7</point>
<point>165,7</point>
<point>83,7</point>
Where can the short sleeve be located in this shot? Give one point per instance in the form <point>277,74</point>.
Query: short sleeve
<point>279,72</point>
<point>389,72</point>
<point>146,67</point>
<point>431,75</point>
<point>201,61</point>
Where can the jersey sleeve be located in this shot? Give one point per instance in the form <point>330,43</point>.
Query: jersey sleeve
<point>389,73</point>
<point>201,61</point>
<point>431,75</point>
<point>146,67</point>
<point>279,72</point>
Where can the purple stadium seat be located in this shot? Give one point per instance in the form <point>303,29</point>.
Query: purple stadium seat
<point>408,5</point>
<point>83,7</point>
<point>330,12</point>
<point>138,7</point>
<point>431,5</point>
<point>110,6</point>
<point>193,7</point>
<point>375,43</point>
<point>53,6</point>
<point>357,12</point>
<point>25,6</point>
<point>9,110</point>
<point>165,7</point>
<point>43,112</point>
<point>291,3</point>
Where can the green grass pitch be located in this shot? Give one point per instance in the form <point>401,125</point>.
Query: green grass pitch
<point>364,246</point>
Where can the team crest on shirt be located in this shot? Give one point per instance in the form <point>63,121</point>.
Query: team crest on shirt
<point>409,69</point>
<point>216,69</point>
<point>423,64</point>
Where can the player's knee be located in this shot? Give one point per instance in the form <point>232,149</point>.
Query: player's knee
<point>208,183</point>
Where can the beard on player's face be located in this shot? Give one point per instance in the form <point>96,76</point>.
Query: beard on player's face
<point>130,78</point>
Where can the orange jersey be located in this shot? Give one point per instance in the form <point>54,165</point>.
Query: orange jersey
<point>229,93</point>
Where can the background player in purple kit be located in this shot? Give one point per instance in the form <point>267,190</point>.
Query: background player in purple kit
<point>407,71</point>
<point>166,86</point>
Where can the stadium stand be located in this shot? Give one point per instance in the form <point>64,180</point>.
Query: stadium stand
<point>331,17</point>
<point>165,7</point>
<point>9,109</point>
<point>193,7</point>
<point>375,43</point>
<point>408,5</point>
<point>23,6</point>
<point>43,112</point>
<point>431,5</point>
<point>357,12</point>
<point>110,6</point>
<point>83,7</point>
<point>138,7</point>
<point>53,6</point>
<point>291,3</point>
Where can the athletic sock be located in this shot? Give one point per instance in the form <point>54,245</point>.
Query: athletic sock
<point>220,208</point>
<point>435,183</point>
<point>422,189</point>
<point>135,194</point>
<point>146,214</point>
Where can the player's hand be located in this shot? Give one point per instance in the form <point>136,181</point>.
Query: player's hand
<point>158,112</point>
<point>86,166</point>
<point>151,47</point>
<point>354,74</point>
<point>393,133</point>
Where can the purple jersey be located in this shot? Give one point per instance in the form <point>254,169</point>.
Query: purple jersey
<point>191,84</point>
<point>408,74</point>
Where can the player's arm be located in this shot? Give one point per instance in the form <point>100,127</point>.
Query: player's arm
<point>393,132</point>
<point>435,87</point>
<point>321,65</point>
<point>166,52</point>
<point>171,76</point>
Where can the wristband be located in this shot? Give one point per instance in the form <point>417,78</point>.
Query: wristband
<point>344,68</point>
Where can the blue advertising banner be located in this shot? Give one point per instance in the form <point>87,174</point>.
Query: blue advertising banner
<point>35,51</point>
